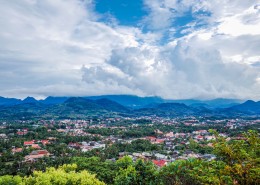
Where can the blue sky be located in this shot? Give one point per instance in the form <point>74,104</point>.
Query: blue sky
<point>175,49</point>
<point>126,12</point>
<point>133,13</point>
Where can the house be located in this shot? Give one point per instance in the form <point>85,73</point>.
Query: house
<point>151,138</point>
<point>170,134</point>
<point>22,132</point>
<point>16,150</point>
<point>159,141</point>
<point>137,154</point>
<point>44,142</point>
<point>3,136</point>
<point>35,146</point>
<point>199,137</point>
<point>98,145</point>
<point>210,138</point>
<point>74,145</point>
<point>193,155</point>
<point>177,135</point>
<point>86,148</point>
<point>160,156</point>
<point>28,143</point>
<point>160,163</point>
<point>52,138</point>
<point>37,154</point>
<point>147,154</point>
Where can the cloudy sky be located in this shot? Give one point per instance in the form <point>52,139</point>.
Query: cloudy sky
<point>175,49</point>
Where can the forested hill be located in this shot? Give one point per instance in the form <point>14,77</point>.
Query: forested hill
<point>82,107</point>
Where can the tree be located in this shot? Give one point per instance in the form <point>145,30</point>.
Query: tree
<point>126,176</point>
<point>10,180</point>
<point>238,162</point>
<point>146,173</point>
<point>124,162</point>
<point>242,157</point>
<point>105,170</point>
<point>65,174</point>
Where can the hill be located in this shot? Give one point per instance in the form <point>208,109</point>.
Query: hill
<point>83,107</point>
<point>248,107</point>
<point>130,101</point>
<point>9,101</point>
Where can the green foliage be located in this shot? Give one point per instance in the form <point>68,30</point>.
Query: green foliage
<point>238,163</point>
<point>105,170</point>
<point>242,157</point>
<point>126,176</point>
<point>146,173</point>
<point>65,174</point>
<point>176,173</point>
<point>124,162</point>
<point>138,173</point>
<point>10,180</point>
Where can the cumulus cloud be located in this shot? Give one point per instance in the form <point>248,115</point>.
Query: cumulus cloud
<point>46,43</point>
<point>61,48</point>
<point>187,69</point>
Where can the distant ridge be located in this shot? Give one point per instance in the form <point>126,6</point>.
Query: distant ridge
<point>111,105</point>
<point>131,101</point>
<point>29,100</point>
<point>82,107</point>
<point>54,100</point>
<point>250,107</point>
<point>9,101</point>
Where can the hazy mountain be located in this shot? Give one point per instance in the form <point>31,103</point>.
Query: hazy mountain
<point>81,107</point>
<point>54,100</point>
<point>29,100</point>
<point>130,100</point>
<point>81,103</point>
<point>78,107</point>
<point>111,105</point>
<point>9,101</point>
<point>249,107</point>
<point>222,102</point>
<point>168,110</point>
<point>214,103</point>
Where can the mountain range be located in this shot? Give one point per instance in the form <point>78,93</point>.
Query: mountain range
<point>124,105</point>
<point>130,101</point>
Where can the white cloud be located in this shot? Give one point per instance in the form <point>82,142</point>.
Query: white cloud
<point>190,69</point>
<point>61,48</point>
<point>46,43</point>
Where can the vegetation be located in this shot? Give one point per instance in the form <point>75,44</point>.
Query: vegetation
<point>65,174</point>
<point>237,162</point>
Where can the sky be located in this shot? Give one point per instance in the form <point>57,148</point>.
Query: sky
<point>175,49</point>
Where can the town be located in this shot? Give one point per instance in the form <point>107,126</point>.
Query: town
<point>159,140</point>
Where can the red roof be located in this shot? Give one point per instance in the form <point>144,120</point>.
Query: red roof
<point>14,150</point>
<point>43,152</point>
<point>28,142</point>
<point>20,133</point>
<point>151,138</point>
<point>36,146</point>
<point>45,142</point>
<point>160,140</point>
<point>160,163</point>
